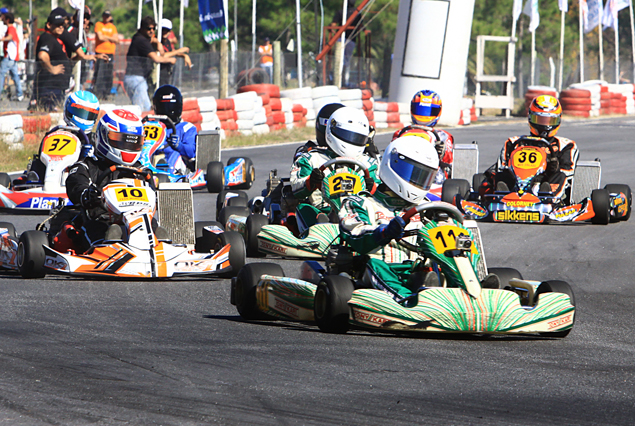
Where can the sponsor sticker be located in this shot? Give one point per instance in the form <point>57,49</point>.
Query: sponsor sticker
<point>560,321</point>
<point>272,247</point>
<point>473,209</point>
<point>516,216</point>
<point>214,229</point>
<point>285,307</point>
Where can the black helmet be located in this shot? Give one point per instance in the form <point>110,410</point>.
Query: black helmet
<point>168,101</point>
<point>321,120</point>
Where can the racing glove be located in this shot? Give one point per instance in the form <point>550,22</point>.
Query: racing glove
<point>369,183</point>
<point>87,151</point>
<point>393,230</point>
<point>553,165</point>
<point>315,180</point>
<point>174,142</point>
<point>90,197</point>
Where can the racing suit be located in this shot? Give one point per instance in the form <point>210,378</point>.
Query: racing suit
<point>560,168</point>
<point>82,175</point>
<point>360,216</point>
<point>311,201</point>
<point>442,141</point>
<point>185,153</point>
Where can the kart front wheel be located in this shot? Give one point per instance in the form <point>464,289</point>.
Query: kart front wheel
<point>237,253</point>
<point>555,286</point>
<point>477,181</point>
<point>31,254</point>
<point>226,212</point>
<point>616,188</point>
<point>505,275</point>
<point>215,177</point>
<point>205,241</point>
<point>452,188</point>
<point>330,306</point>
<point>254,224</point>
<point>244,287</point>
<point>601,206</point>
<point>241,200</point>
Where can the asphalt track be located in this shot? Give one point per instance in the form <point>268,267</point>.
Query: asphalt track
<point>78,352</point>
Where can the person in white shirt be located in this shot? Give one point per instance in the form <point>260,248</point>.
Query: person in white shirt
<point>10,47</point>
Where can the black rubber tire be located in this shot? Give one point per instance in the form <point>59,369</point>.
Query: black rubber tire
<point>162,178</point>
<point>477,181</point>
<point>618,187</point>
<point>242,200</point>
<point>245,288</point>
<point>254,224</point>
<point>330,306</point>
<point>600,199</point>
<point>556,286</point>
<point>505,274</point>
<point>454,187</point>
<point>5,180</point>
<point>251,173</point>
<point>9,227</point>
<point>237,252</point>
<point>205,243</point>
<point>225,212</point>
<point>31,254</point>
<point>215,177</point>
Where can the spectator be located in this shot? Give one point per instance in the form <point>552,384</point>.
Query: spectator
<point>53,65</point>
<point>266,57</point>
<point>166,48</point>
<point>73,29</point>
<point>141,56</point>
<point>11,55</point>
<point>106,40</point>
<point>69,36</point>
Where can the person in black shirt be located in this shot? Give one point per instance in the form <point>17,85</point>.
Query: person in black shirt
<point>167,49</point>
<point>53,66</point>
<point>141,58</point>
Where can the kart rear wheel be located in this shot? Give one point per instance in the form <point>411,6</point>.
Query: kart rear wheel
<point>10,228</point>
<point>477,181</point>
<point>5,180</point>
<point>228,211</point>
<point>215,177</point>
<point>205,241</point>
<point>31,254</point>
<point>601,206</point>
<point>615,188</point>
<point>245,288</point>
<point>250,171</point>
<point>556,286</point>
<point>254,224</point>
<point>452,188</point>
<point>330,306</point>
<point>242,200</point>
<point>505,275</point>
<point>237,253</point>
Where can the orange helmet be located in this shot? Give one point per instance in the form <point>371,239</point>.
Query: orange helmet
<point>545,114</point>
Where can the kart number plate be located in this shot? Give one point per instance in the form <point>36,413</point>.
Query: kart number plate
<point>132,194</point>
<point>153,132</point>
<point>344,182</point>
<point>59,144</point>
<point>528,157</point>
<point>444,238</point>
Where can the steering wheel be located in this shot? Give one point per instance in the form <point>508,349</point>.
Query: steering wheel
<point>434,205</point>
<point>163,119</point>
<point>143,174</point>
<point>345,160</point>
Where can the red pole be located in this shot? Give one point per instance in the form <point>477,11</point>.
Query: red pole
<point>337,35</point>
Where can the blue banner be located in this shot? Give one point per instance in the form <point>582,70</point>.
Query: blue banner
<point>211,13</point>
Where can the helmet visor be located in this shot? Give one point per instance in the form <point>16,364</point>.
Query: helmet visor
<point>544,119</point>
<point>412,171</point>
<point>353,138</point>
<point>83,112</point>
<point>125,141</point>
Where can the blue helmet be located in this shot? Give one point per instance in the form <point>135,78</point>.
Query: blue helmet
<point>81,109</point>
<point>425,108</point>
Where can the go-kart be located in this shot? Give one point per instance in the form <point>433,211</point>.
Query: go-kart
<point>268,229</point>
<point>139,247</point>
<point>43,185</point>
<point>525,203</point>
<point>238,174</point>
<point>454,295</point>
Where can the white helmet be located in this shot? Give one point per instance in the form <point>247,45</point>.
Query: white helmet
<point>408,168</point>
<point>119,137</point>
<point>347,132</point>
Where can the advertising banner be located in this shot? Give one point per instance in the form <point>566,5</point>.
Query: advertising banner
<point>213,19</point>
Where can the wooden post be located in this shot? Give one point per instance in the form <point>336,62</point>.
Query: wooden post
<point>337,64</point>
<point>277,63</point>
<point>223,91</point>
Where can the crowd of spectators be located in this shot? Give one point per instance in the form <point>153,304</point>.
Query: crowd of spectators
<point>58,50</point>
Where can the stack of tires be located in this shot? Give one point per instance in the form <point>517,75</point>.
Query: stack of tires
<point>368,105</point>
<point>192,113</point>
<point>33,124</point>
<point>621,98</point>
<point>227,116</point>
<point>299,115</point>
<point>581,100</point>
<point>11,132</point>
<point>269,95</point>
<point>303,97</point>
<point>391,114</point>
<point>324,95</point>
<point>246,104</point>
<point>535,91</point>
<point>466,111</point>
<point>209,119</point>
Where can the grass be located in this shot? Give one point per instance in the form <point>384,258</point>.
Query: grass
<point>18,159</point>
